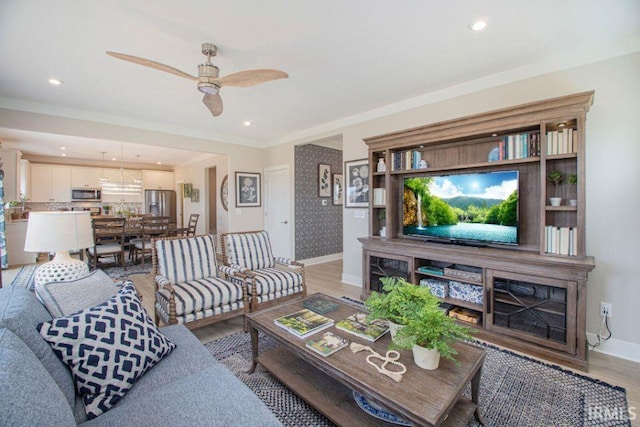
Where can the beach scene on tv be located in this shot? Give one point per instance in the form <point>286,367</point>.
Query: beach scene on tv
<point>480,207</point>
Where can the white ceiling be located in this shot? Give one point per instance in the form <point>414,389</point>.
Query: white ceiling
<point>344,58</point>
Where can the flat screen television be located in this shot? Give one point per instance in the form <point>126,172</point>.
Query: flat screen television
<point>470,208</point>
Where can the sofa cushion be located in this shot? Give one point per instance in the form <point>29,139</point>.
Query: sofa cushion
<point>184,260</point>
<point>107,348</point>
<point>249,250</point>
<point>212,397</point>
<point>21,313</point>
<point>28,396</point>
<point>272,281</point>
<point>64,298</point>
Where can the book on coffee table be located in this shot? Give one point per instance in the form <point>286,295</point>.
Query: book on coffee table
<point>327,344</point>
<point>303,323</point>
<point>357,324</point>
<point>320,305</point>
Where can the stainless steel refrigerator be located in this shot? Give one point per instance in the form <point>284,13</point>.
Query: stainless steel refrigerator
<point>161,203</point>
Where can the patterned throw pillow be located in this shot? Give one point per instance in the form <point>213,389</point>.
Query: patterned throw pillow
<point>108,347</point>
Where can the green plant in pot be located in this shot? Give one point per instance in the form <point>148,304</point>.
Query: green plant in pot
<point>400,298</point>
<point>556,177</point>
<point>573,180</point>
<point>429,333</point>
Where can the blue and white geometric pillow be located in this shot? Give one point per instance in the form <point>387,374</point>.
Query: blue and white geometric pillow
<point>108,347</point>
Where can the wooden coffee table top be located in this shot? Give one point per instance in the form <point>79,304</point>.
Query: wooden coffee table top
<point>423,397</point>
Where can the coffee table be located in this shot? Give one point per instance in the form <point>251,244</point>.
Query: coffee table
<point>429,398</point>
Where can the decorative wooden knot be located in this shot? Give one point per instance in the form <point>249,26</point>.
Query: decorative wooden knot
<point>391,357</point>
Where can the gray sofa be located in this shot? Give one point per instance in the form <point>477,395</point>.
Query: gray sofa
<point>187,387</point>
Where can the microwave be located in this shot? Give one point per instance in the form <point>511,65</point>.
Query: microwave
<point>85,194</point>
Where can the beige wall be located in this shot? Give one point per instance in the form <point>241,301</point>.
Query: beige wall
<point>613,150</point>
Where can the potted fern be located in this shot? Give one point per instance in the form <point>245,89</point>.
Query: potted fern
<point>429,333</point>
<point>400,298</point>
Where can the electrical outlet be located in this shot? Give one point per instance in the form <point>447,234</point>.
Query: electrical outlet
<point>606,308</point>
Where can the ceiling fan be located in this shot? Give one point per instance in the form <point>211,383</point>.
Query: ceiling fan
<point>208,78</point>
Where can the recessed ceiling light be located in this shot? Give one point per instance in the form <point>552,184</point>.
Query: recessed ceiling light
<point>158,163</point>
<point>55,82</point>
<point>247,123</point>
<point>64,154</point>
<point>478,25</point>
<point>561,125</point>
<point>114,159</point>
<point>63,148</point>
<point>494,134</point>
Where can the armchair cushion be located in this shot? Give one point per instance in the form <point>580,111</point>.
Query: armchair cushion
<point>107,347</point>
<point>249,250</point>
<point>211,293</point>
<point>273,281</point>
<point>185,260</point>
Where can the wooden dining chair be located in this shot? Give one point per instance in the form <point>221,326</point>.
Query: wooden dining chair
<point>151,227</point>
<point>193,222</point>
<point>108,238</point>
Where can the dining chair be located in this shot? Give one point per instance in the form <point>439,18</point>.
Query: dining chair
<point>151,227</point>
<point>109,241</point>
<point>193,222</point>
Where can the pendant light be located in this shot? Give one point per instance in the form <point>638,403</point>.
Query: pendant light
<point>123,187</point>
<point>103,179</point>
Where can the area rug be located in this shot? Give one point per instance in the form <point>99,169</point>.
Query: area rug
<point>514,391</point>
<point>25,277</point>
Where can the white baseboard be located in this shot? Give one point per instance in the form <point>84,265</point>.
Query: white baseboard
<point>618,348</point>
<point>352,280</point>
<point>321,259</point>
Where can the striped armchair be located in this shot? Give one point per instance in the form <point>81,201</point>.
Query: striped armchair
<point>190,288</point>
<point>248,258</point>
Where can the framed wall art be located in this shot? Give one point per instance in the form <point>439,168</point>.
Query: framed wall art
<point>338,188</point>
<point>356,174</point>
<point>195,195</point>
<point>247,189</point>
<point>186,190</point>
<point>324,180</point>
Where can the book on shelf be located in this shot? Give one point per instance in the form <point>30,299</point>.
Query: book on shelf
<point>431,270</point>
<point>379,196</point>
<point>561,240</point>
<point>327,344</point>
<point>320,305</point>
<point>406,160</point>
<point>519,146</point>
<point>357,324</point>
<point>303,323</point>
<point>563,141</point>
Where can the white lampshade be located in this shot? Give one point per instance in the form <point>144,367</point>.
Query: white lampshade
<point>59,232</point>
<point>55,231</point>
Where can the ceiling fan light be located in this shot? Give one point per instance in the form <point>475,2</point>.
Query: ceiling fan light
<point>208,88</point>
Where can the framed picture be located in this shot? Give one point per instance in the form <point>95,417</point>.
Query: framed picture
<point>247,189</point>
<point>338,188</point>
<point>186,190</point>
<point>195,195</point>
<point>324,180</point>
<point>356,174</point>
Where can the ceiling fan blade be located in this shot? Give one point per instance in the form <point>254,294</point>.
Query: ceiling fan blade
<point>152,64</point>
<point>251,77</point>
<point>213,103</point>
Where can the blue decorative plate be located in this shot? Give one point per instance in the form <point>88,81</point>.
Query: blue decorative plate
<point>377,411</point>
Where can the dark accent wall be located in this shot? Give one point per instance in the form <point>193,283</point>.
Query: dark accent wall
<point>318,227</point>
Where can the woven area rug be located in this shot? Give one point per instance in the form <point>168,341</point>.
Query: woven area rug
<point>514,390</point>
<point>25,277</point>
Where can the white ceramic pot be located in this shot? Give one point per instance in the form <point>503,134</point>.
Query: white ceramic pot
<point>426,358</point>
<point>393,329</point>
<point>573,202</point>
<point>555,201</point>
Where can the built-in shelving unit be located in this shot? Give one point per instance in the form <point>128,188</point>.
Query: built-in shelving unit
<point>549,260</point>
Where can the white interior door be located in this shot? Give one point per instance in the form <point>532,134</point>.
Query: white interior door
<point>277,210</point>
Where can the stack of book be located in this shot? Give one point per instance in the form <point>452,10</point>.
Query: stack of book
<point>520,146</point>
<point>303,323</point>
<point>406,160</point>
<point>562,141</point>
<point>561,240</point>
<point>327,344</point>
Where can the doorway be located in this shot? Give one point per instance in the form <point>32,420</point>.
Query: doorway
<point>277,210</point>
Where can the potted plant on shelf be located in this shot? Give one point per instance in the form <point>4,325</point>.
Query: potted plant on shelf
<point>399,300</point>
<point>429,332</point>
<point>573,180</point>
<point>556,177</point>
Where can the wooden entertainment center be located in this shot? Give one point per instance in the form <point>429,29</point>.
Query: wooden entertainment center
<point>531,296</point>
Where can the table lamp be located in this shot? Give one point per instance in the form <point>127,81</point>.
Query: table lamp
<point>59,232</point>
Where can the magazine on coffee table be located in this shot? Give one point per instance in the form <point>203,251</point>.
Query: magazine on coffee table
<point>357,324</point>
<point>327,344</point>
<point>304,323</point>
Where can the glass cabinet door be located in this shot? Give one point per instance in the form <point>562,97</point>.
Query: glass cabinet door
<point>537,309</point>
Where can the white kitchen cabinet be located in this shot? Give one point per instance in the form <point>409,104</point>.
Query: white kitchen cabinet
<point>158,180</point>
<point>50,183</point>
<point>11,164</point>
<point>85,177</point>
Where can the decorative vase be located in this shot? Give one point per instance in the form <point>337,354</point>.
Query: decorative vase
<point>555,201</point>
<point>382,167</point>
<point>573,202</point>
<point>383,232</point>
<point>393,329</point>
<point>426,358</point>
